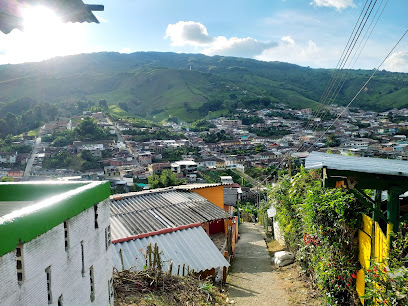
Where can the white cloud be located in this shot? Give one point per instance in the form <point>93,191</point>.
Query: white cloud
<point>288,39</point>
<point>241,47</point>
<point>338,4</point>
<point>397,62</point>
<point>304,53</point>
<point>188,33</point>
<point>192,33</point>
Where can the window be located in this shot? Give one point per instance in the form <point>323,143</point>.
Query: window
<point>96,216</point>
<point>110,290</point>
<point>48,272</point>
<point>108,240</point>
<point>20,263</point>
<point>66,235</point>
<point>82,258</point>
<point>92,283</point>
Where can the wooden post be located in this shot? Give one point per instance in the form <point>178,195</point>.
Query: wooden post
<point>188,270</point>
<point>183,269</point>
<point>155,256</point>
<point>170,267</point>
<point>178,270</point>
<point>149,251</point>
<point>121,259</point>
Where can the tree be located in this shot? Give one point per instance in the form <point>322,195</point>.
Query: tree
<point>332,141</point>
<point>89,129</point>
<point>167,178</point>
<point>103,103</point>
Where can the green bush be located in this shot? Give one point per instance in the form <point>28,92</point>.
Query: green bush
<point>320,225</point>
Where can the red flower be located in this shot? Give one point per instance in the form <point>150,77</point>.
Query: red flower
<point>354,275</point>
<point>375,270</point>
<point>368,270</point>
<point>385,270</point>
<point>392,280</point>
<point>339,277</point>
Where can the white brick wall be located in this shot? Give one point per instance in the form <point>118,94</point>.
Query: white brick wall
<point>66,276</point>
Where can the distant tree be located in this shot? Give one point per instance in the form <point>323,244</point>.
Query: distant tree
<point>103,103</point>
<point>332,141</point>
<point>122,105</point>
<point>89,129</point>
<point>7,179</point>
<point>167,178</point>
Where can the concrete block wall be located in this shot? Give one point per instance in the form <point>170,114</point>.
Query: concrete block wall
<point>67,279</point>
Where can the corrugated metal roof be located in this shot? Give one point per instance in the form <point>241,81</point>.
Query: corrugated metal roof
<point>196,186</point>
<point>139,213</point>
<point>69,11</point>
<point>191,247</point>
<point>358,164</point>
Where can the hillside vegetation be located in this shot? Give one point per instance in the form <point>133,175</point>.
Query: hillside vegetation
<point>188,86</point>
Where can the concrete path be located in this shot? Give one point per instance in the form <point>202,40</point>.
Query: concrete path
<point>252,280</point>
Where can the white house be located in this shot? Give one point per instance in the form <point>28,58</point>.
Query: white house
<point>185,168</point>
<point>55,244</point>
<point>8,157</point>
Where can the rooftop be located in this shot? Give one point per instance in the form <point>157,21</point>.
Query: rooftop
<point>199,253</point>
<point>357,164</point>
<point>29,209</point>
<point>144,212</point>
<point>70,11</point>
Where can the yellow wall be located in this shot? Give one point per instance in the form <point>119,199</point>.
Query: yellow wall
<point>213,194</point>
<point>381,246</point>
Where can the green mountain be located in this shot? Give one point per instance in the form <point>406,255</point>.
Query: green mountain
<point>188,86</point>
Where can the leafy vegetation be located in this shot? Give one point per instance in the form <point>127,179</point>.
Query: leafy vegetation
<point>214,137</point>
<point>156,85</point>
<point>201,126</point>
<point>269,132</point>
<point>320,225</point>
<point>386,282</point>
<point>167,178</point>
<point>24,115</point>
<point>176,154</point>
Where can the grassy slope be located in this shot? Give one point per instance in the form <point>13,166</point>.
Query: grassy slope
<point>159,84</point>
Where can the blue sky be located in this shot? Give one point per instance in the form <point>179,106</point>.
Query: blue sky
<point>309,33</point>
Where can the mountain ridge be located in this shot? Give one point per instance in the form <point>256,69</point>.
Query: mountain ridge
<point>162,84</point>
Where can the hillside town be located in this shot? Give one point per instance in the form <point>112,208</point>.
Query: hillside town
<point>252,143</point>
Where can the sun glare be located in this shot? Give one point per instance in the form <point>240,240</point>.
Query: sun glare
<point>45,35</point>
<point>40,19</point>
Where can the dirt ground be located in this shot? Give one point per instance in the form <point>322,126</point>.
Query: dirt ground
<point>296,285</point>
<point>254,280</point>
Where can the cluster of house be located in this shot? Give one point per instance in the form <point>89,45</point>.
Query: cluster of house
<point>61,240</point>
<point>363,133</point>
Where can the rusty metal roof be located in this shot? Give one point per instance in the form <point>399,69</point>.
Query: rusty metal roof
<point>68,10</point>
<point>145,212</point>
<point>191,247</point>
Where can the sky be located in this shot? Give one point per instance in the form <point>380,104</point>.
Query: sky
<point>305,32</point>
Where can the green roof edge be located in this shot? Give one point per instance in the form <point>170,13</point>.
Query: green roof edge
<point>65,202</point>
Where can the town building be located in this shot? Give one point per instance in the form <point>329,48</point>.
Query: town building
<point>55,244</point>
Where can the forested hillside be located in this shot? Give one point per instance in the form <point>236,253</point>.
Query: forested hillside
<point>187,86</point>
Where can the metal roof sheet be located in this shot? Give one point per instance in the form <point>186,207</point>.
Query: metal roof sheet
<point>317,160</point>
<point>139,213</point>
<point>69,11</point>
<point>191,247</point>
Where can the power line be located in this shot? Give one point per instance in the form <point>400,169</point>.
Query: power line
<point>341,59</point>
<point>361,89</point>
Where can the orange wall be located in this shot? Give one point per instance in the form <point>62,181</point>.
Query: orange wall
<point>213,194</point>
